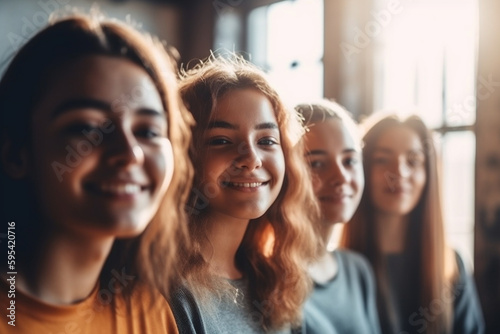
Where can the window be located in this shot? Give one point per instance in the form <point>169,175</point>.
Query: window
<point>286,40</point>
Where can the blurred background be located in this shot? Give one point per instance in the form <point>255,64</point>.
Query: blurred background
<point>439,58</point>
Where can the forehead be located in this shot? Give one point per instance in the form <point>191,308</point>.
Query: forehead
<point>399,139</point>
<point>113,80</point>
<point>331,135</point>
<point>245,106</point>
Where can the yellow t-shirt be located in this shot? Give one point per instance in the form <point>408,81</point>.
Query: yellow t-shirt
<point>104,311</point>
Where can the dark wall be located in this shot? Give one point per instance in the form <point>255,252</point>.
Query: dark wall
<point>487,231</point>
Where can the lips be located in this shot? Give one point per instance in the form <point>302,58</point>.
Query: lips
<point>245,185</point>
<point>334,198</point>
<point>397,190</point>
<point>116,188</point>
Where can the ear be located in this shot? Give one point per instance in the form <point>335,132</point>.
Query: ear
<point>14,159</point>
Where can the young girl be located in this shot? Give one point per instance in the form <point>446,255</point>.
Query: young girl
<point>422,284</point>
<point>91,126</point>
<point>250,207</point>
<point>343,300</point>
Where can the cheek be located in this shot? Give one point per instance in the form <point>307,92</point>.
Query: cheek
<point>213,169</point>
<point>162,166</point>
<point>279,166</point>
<point>359,180</point>
<point>419,180</point>
<point>316,183</point>
<point>378,181</point>
<point>50,168</point>
<point>216,164</point>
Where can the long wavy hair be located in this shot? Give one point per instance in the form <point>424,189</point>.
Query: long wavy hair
<point>277,246</point>
<point>152,256</point>
<point>425,235</point>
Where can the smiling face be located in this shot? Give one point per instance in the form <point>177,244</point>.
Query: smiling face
<point>334,157</point>
<point>398,171</point>
<point>102,160</point>
<point>242,159</point>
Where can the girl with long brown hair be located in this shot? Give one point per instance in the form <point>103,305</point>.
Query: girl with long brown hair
<point>92,127</point>
<point>422,283</point>
<point>250,209</point>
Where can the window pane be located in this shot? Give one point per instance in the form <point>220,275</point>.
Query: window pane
<point>257,36</point>
<point>458,193</point>
<point>227,31</point>
<point>295,32</point>
<point>286,39</point>
<point>426,58</point>
<point>461,53</point>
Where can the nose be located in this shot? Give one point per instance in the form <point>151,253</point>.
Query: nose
<point>124,149</point>
<point>402,169</point>
<point>248,157</point>
<point>338,174</point>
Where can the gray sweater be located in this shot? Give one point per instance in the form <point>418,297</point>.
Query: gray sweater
<point>229,313</point>
<point>347,303</point>
<point>412,317</point>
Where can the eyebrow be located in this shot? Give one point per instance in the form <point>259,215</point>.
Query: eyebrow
<point>323,152</point>
<point>81,103</point>
<point>227,125</point>
<point>222,125</point>
<point>389,151</point>
<point>316,152</point>
<point>267,125</point>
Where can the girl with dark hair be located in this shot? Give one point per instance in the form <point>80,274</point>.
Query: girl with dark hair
<point>422,283</point>
<point>92,124</point>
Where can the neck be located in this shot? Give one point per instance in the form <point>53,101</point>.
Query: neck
<point>68,270</point>
<point>331,232</point>
<point>326,231</point>
<point>325,268</point>
<point>225,235</point>
<point>391,232</point>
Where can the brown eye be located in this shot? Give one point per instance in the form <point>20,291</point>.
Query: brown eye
<point>267,142</point>
<point>80,128</point>
<point>415,162</point>
<point>147,133</point>
<point>218,141</point>
<point>316,164</point>
<point>351,161</point>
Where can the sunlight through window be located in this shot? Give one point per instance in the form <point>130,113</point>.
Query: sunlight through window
<point>286,39</point>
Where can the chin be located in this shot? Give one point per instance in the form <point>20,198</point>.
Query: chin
<point>129,230</point>
<point>336,218</point>
<point>129,234</point>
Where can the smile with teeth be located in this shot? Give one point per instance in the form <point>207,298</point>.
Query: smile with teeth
<point>120,189</point>
<point>244,184</point>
